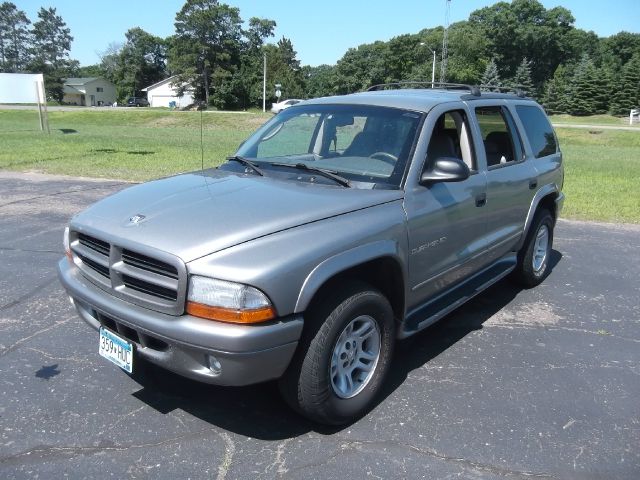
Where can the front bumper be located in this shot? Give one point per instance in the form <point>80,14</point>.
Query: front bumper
<point>247,353</point>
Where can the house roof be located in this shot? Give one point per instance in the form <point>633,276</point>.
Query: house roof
<point>68,89</point>
<point>160,83</point>
<point>79,80</point>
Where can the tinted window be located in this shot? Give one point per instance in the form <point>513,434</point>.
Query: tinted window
<point>538,129</point>
<point>497,136</point>
<point>362,143</point>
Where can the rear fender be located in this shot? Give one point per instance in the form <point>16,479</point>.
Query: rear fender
<point>549,189</point>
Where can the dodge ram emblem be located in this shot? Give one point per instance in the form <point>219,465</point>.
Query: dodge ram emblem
<point>136,219</point>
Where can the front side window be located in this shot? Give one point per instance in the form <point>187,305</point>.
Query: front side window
<point>451,138</point>
<point>361,143</point>
<point>501,145</point>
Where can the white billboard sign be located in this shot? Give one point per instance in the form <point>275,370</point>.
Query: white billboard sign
<point>21,88</point>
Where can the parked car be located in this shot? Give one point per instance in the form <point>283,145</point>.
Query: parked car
<point>137,102</point>
<point>340,226</point>
<point>278,107</point>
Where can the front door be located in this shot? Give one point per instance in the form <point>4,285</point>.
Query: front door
<point>93,100</point>
<point>446,220</point>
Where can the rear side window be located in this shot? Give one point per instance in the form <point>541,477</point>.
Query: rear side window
<point>538,129</point>
<point>502,146</point>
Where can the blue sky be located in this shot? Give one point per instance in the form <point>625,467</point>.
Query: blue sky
<point>321,31</point>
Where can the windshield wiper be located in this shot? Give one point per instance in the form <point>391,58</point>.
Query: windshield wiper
<point>247,163</point>
<point>325,173</point>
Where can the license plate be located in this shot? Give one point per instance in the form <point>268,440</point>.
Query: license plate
<point>116,349</point>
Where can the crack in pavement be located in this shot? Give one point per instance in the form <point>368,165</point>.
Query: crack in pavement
<point>22,250</point>
<point>229,451</point>
<point>462,462</point>
<point>66,192</point>
<point>50,451</point>
<point>49,281</point>
<point>566,329</point>
<point>16,344</point>
<point>53,357</point>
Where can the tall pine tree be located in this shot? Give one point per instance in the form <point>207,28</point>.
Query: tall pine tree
<point>555,99</point>
<point>14,38</point>
<point>491,77</point>
<point>206,48</point>
<point>583,89</point>
<point>50,51</point>
<point>522,78</point>
<point>627,88</point>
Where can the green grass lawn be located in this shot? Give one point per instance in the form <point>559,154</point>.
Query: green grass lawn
<point>602,167</point>
<point>602,174</point>
<point>593,120</point>
<point>131,144</point>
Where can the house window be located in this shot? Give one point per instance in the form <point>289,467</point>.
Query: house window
<point>99,89</point>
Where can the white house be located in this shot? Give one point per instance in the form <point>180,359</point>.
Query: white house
<point>163,93</point>
<point>89,91</point>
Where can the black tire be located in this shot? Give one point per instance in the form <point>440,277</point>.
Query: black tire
<point>525,272</point>
<point>307,384</point>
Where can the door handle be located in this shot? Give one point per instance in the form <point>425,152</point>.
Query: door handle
<point>533,184</point>
<point>481,200</point>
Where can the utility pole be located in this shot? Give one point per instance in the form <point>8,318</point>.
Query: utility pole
<point>433,67</point>
<point>445,43</point>
<point>433,70</point>
<point>264,83</point>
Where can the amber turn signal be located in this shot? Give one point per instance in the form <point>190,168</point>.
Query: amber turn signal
<point>220,314</point>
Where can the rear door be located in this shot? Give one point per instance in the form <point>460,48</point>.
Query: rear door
<point>511,178</point>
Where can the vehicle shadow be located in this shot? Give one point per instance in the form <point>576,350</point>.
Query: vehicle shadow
<point>258,411</point>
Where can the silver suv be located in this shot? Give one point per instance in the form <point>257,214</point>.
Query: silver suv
<point>340,226</point>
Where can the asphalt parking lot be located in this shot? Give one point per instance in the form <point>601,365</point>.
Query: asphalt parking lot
<point>541,383</point>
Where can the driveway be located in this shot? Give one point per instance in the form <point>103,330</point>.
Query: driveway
<point>540,383</point>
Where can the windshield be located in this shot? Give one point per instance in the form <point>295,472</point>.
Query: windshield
<point>361,143</point>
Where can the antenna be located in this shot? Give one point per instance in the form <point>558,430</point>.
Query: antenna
<point>445,43</point>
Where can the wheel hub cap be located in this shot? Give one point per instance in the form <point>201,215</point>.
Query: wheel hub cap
<point>355,357</point>
<point>541,248</point>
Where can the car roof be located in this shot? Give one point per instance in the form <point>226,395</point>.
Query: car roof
<point>420,99</point>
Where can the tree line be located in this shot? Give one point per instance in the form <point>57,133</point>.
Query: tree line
<point>509,44</point>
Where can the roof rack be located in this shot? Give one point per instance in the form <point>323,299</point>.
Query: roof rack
<point>448,86</point>
<point>517,89</point>
<point>475,90</point>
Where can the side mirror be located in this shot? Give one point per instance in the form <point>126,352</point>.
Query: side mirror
<point>445,169</point>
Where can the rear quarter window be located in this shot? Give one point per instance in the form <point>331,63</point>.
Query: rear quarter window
<point>538,130</point>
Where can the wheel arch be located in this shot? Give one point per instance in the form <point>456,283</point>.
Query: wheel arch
<point>376,264</point>
<point>545,197</point>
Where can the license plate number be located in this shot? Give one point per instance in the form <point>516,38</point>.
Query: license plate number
<point>116,349</point>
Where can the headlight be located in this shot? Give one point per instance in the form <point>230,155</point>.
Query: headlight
<point>65,243</point>
<point>227,301</point>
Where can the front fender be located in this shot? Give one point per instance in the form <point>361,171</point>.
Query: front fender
<point>343,261</point>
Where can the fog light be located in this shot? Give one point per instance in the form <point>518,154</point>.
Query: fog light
<point>214,365</point>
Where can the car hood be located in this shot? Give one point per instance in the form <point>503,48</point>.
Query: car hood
<point>197,214</point>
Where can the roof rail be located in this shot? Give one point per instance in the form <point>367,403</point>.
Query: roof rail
<point>447,86</point>
<point>475,90</point>
<point>517,89</point>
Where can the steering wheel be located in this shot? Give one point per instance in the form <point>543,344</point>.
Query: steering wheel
<point>385,157</point>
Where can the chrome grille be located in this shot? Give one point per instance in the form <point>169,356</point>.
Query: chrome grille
<point>157,282</point>
<point>148,263</point>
